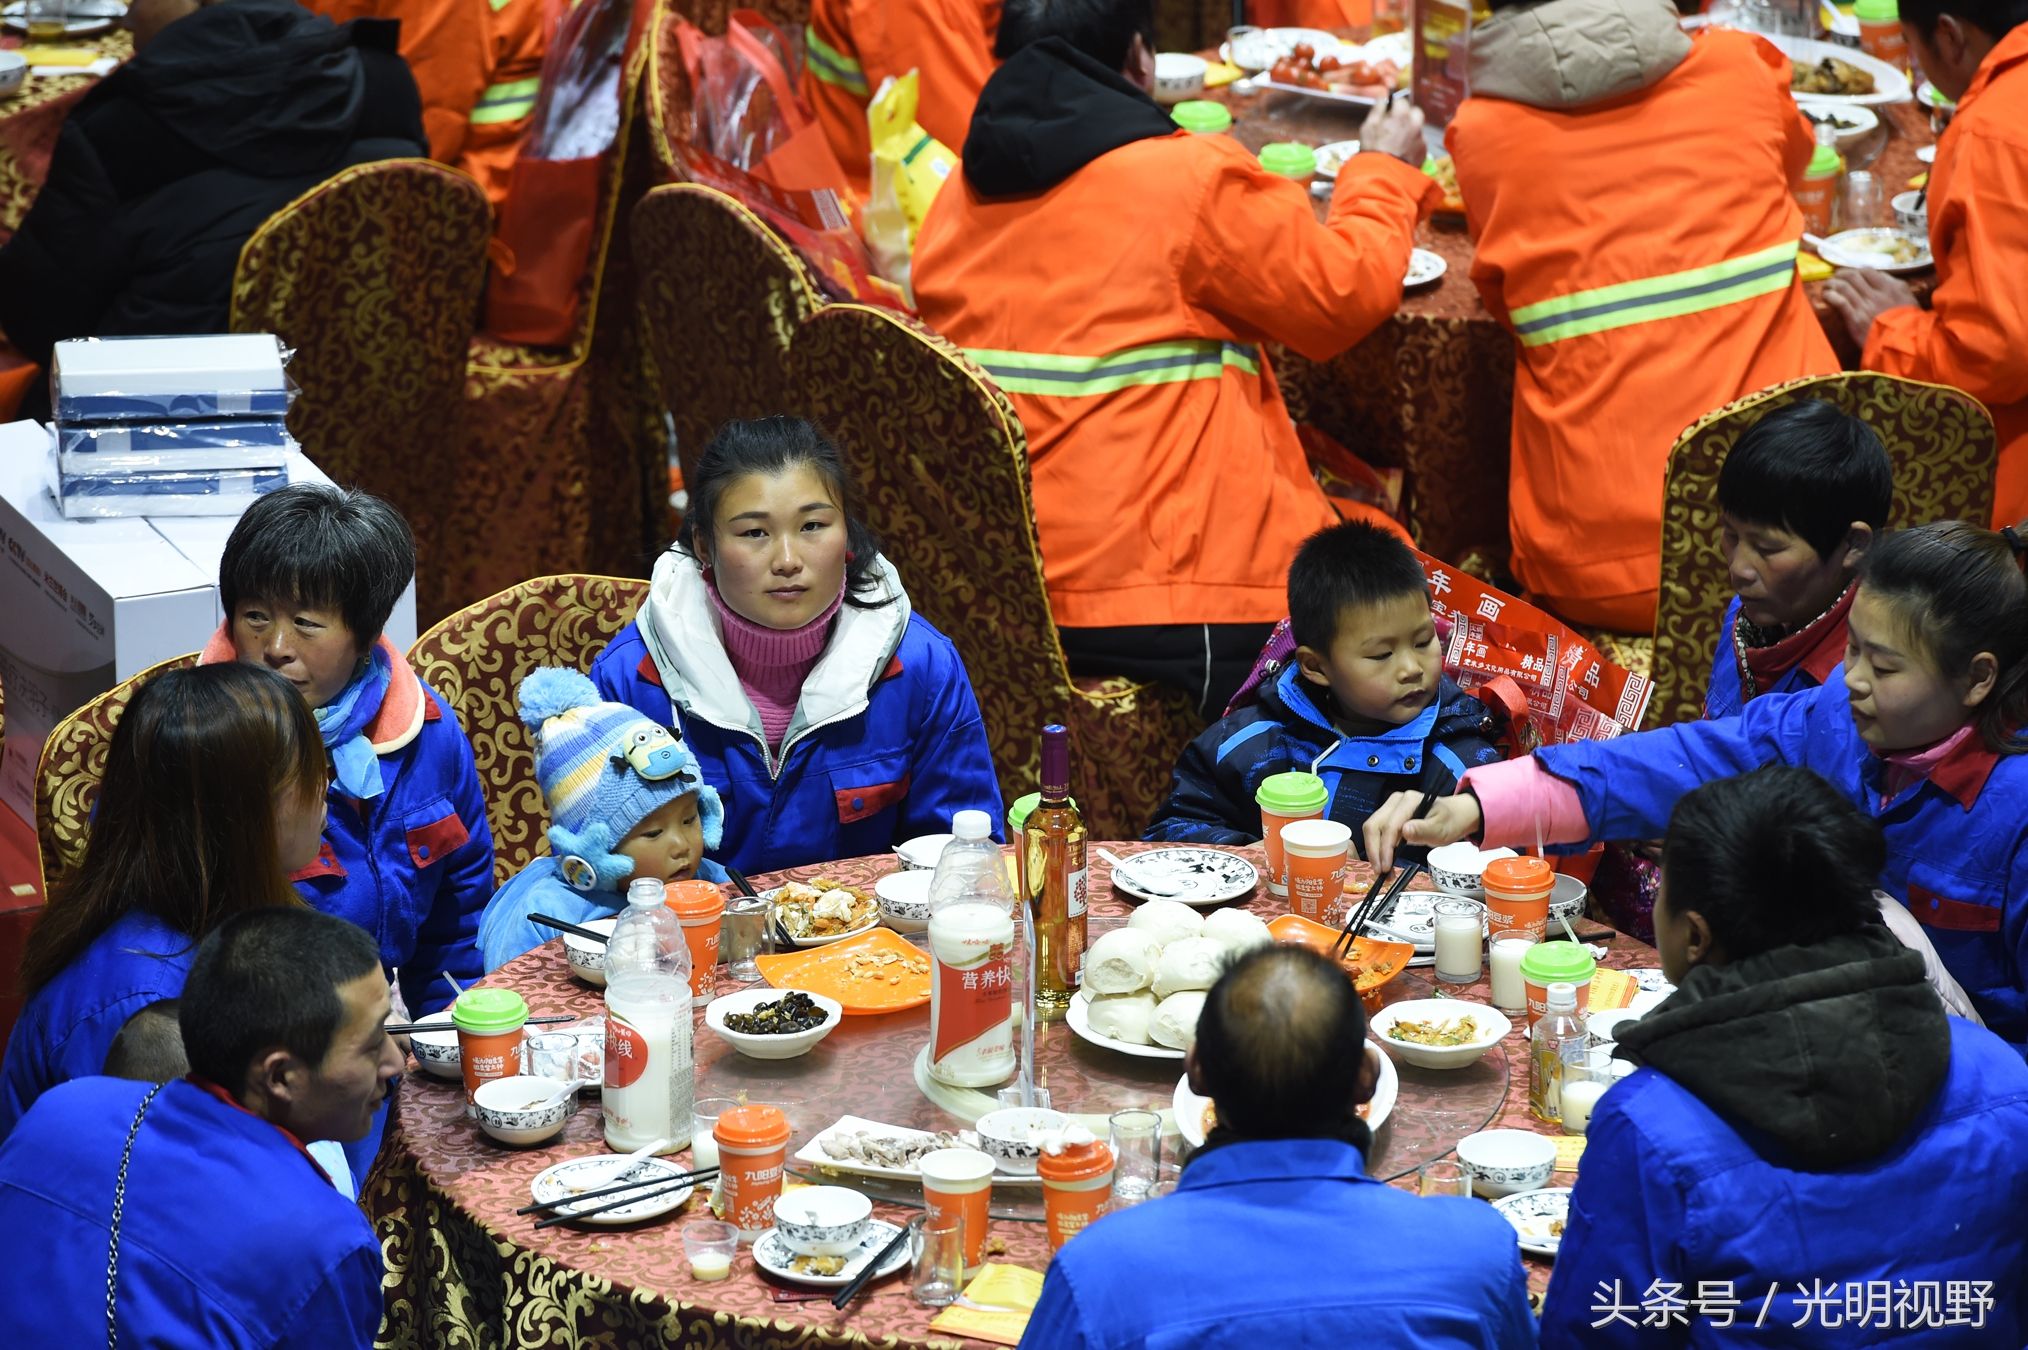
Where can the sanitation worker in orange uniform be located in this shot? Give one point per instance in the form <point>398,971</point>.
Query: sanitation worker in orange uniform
<point>1974,334</point>
<point>1629,190</point>
<point>1118,278</point>
<point>851,46</point>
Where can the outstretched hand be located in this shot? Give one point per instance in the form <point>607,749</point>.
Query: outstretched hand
<point>1448,820</point>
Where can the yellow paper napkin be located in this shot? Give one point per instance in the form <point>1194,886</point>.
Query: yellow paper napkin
<point>996,1286</point>
<point>1569,1148</point>
<point>60,56</point>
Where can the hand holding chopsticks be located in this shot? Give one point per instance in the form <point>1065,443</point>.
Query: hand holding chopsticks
<point>1418,820</point>
<point>1379,900</point>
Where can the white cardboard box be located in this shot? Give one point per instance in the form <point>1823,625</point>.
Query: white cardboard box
<point>86,603</point>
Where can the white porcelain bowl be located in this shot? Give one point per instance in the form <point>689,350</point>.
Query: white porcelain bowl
<point>1566,897</point>
<point>1458,868</point>
<point>1502,1162</point>
<point>13,73</point>
<point>1850,123</point>
<point>1911,213</point>
<point>1491,1023</point>
<point>1179,76</point>
<point>436,1052</point>
<point>523,1109</point>
<point>822,1220</point>
<point>923,850</point>
<point>755,1045</point>
<point>1013,1135</point>
<point>587,958</point>
<point>904,899</point>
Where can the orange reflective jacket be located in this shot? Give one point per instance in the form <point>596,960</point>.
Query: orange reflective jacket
<point>851,46</point>
<point>1975,333</point>
<point>518,40</point>
<point>1123,309</point>
<point>1643,250</point>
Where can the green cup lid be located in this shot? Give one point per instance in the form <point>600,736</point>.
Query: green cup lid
<point>1291,794</point>
<point>1201,114</point>
<point>1024,807</point>
<point>1548,962</point>
<point>484,1012</point>
<point>1825,162</point>
<point>1289,159</point>
<point>1877,11</point>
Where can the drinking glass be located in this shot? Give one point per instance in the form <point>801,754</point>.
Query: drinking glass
<point>1503,954</point>
<point>553,1055</point>
<point>1137,1155</point>
<point>47,20</point>
<point>939,1274</point>
<point>1168,1176</point>
<point>1460,938</point>
<point>710,1245</point>
<point>704,1114</point>
<point>744,934</point>
<point>1445,1176</point>
<point>1865,201</point>
<point>1588,1071</point>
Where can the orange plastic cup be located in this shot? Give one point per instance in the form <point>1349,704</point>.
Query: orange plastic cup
<point>489,1023</point>
<point>1318,852</point>
<point>1517,895</point>
<point>753,1145</point>
<point>957,1187</point>
<point>700,905</point>
<point>1076,1183</point>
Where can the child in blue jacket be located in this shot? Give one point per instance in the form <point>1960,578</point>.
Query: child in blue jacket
<point>626,800</point>
<point>1366,683</point>
<point>1799,501</point>
<point>1921,730</point>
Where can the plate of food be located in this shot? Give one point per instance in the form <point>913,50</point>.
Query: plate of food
<point>1424,267</point>
<point>868,1148</point>
<point>1196,1115</point>
<point>1848,122</point>
<point>776,1257</point>
<point>1332,157</point>
<point>1879,249</point>
<point>1538,1218</point>
<point>1826,72</point>
<point>1440,1033</point>
<point>1190,875</point>
<point>1441,168</point>
<point>82,19</point>
<point>1079,1019</point>
<point>1371,963</point>
<point>1411,919</point>
<point>820,910</point>
<point>1253,49</point>
<point>576,1176</point>
<point>1340,73</point>
<point>878,971</point>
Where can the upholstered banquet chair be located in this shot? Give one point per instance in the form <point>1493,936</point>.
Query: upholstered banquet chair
<point>942,462</point>
<point>373,278</point>
<point>1940,440</point>
<point>476,659</point>
<point>72,764</point>
<point>721,295</point>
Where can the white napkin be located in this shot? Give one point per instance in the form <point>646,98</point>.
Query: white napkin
<point>98,69</point>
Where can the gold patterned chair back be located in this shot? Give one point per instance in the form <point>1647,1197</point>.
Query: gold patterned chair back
<point>373,278</point>
<point>72,764</point>
<point>941,461</point>
<point>721,295</point>
<point>1943,448</point>
<point>476,659</point>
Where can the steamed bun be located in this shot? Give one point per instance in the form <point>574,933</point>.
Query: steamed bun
<point>1121,961</point>
<point>1189,963</point>
<point>1176,1016</point>
<point>1238,929</point>
<point>1124,1017</point>
<point>1168,920</point>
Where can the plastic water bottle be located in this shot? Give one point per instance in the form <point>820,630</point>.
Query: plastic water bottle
<point>1553,1037</point>
<point>650,1069</point>
<point>971,942</point>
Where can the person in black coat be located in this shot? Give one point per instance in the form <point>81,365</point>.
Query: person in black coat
<point>228,111</point>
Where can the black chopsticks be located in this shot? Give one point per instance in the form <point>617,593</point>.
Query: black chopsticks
<point>780,933</point>
<point>410,1028</point>
<point>648,1188</point>
<point>872,1268</point>
<point>560,926</point>
<point>1379,901</point>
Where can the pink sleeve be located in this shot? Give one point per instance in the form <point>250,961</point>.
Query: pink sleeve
<point>1523,803</point>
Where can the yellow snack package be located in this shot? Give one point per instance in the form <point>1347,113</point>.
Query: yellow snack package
<point>1813,268</point>
<point>909,169</point>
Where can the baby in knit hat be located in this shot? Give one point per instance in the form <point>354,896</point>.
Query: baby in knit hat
<point>626,800</point>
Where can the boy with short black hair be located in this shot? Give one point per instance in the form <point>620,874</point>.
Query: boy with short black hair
<point>1366,684</point>
<point>1800,499</point>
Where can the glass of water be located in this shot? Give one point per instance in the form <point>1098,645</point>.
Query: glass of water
<point>939,1275</point>
<point>743,934</point>
<point>1137,1155</point>
<point>1865,201</point>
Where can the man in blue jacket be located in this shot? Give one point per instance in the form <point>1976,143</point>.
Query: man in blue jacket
<point>189,1214</point>
<point>1276,1236</point>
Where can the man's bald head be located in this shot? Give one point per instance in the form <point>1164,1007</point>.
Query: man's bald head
<point>1281,1046</point>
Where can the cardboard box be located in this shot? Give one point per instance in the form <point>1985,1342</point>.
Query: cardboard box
<point>86,603</point>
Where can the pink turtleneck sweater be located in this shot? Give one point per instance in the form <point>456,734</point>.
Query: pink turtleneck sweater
<point>772,663</point>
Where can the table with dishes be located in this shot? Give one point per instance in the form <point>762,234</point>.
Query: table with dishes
<point>451,1199</point>
<point>1431,392</point>
<point>57,74</point>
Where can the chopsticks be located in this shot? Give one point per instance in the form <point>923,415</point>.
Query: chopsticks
<point>560,926</point>
<point>663,1185</point>
<point>780,933</point>
<point>865,1276</point>
<point>1379,901</point>
<point>409,1028</point>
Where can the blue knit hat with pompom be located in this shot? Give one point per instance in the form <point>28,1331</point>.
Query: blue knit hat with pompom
<point>604,768</point>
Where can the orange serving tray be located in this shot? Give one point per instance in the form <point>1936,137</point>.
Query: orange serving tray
<point>1372,962</point>
<point>826,970</point>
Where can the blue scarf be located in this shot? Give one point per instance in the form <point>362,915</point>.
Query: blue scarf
<point>343,723</point>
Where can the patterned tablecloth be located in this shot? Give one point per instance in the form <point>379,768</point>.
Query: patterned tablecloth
<point>1432,390</point>
<point>30,121</point>
<point>463,1269</point>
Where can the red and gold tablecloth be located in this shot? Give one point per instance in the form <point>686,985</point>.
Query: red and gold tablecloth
<point>463,1269</point>
<point>30,121</point>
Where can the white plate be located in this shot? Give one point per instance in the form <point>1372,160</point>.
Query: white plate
<point>1327,94</point>
<point>1889,85</point>
<point>813,1154</point>
<point>1412,920</point>
<point>86,18</point>
<point>1332,157</point>
<point>1263,47</point>
<point>1424,267</point>
<point>595,1173</point>
<point>771,1254</point>
<point>829,938</point>
<point>1189,1107</point>
<point>1201,876</point>
<point>1851,248</point>
<point>1531,1213</point>
<point>1079,1018</point>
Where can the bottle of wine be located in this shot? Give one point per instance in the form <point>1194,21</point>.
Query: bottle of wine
<point>1053,878</point>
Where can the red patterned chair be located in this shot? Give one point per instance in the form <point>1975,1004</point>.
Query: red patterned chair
<point>373,277</point>
<point>67,776</point>
<point>1944,450</point>
<point>942,462</point>
<point>477,657</point>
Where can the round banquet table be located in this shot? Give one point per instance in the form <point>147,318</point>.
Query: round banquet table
<point>464,1269</point>
<point>30,121</point>
<point>1431,391</point>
